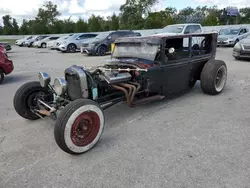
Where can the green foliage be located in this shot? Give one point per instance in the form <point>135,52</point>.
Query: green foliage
<point>135,14</point>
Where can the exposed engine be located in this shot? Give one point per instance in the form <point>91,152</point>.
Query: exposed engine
<point>81,81</point>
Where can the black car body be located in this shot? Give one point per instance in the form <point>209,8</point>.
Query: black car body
<point>101,44</point>
<point>6,45</point>
<point>241,50</point>
<point>141,70</point>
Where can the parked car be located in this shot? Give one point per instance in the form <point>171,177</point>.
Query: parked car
<point>102,43</point>
<point>43,43</point>
<point>73,43</point>
<point>6,45</point>
<point>6,65</point>
<point>29,43</point>
<point>179,29</point>
<point>230,36</point>
<point>241,49</point>
<point>142,69</point>
<point>20,42</point>
<point>55,43</point>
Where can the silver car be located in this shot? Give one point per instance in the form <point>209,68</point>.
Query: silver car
<point>55,43</point>
<point>20,42</point>
<point>73,43</point>
<point>43,43</point>
<point>241,50</point>
<point>230,36</point>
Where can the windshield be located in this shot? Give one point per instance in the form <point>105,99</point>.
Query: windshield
<point>73,36</point>
<point>102,36</point>
<point>141,50</point>
<point>173,29</point>
<point>229,32</point>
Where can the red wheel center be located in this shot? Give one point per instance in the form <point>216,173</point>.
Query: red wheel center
<point>85,128</point>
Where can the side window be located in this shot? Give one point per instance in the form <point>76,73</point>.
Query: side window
<point>192,29</point>
<point>188,29</point>
<point>114,36</point>
<point>53,38</point>
<point>241,32</point>
<point>92,35</point>
<point>196,29</point>
<point>201,45</point>
<point>176,49</point>
<point>83,36</point>
<point>126,34</point>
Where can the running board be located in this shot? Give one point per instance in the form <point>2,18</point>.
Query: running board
<point>147,100</point>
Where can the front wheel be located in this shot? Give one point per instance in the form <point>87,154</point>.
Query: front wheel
<point>71,48</point>
<point>102,50</point>
<point>25,99</point>
<point>43,45</point>
<point>213,77</point>
<point>79,126</point>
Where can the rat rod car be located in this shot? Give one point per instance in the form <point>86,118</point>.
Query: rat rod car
<point>141,69</point>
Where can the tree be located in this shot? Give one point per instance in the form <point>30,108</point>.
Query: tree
<point>94,24</point>
<point>185,15</point>
<point>244,15</point>
<point>81,26</point>
<point>24,29</point>
<point>135,14</point>
<point>68,26</point>
<point>210,20</point>
<point>114,23</point>
<point>8,27</point>
<point>46,17</point>
<point>132,13</point>
<point>15,27</point>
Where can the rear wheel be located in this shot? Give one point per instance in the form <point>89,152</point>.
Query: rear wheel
<point>213,77</point>
<point>1,76</point>
<point>25,99</point>
<point>79,126</point>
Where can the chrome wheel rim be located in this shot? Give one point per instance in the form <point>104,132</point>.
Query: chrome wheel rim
<point>221,77</point>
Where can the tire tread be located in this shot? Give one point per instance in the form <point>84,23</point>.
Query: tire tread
<point>62,121</point>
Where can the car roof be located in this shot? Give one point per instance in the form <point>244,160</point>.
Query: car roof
<point>156,39</point>
<point>185,24</point>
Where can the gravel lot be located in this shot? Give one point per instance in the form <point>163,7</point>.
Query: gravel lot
<point>193,141</point>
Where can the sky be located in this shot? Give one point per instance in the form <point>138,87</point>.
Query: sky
<point>27,9</point>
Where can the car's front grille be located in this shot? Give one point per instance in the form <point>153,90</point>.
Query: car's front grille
<point>85,45</point>
<point>222,39</point>
<point>246,47</point>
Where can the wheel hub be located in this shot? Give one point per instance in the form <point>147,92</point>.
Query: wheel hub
<point>85,128</point>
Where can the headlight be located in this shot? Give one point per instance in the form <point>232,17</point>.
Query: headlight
<point>237,46</point>
<point>92,44</point>
<point>64,42</point>
<point>44,79</point>
<point>60,86</point>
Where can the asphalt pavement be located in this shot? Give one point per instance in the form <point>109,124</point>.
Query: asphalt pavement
<point>192,141</point>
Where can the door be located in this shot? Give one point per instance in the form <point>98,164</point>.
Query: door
<point>177,68</point>
<point>241,34</point>
<point>111,39</point>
